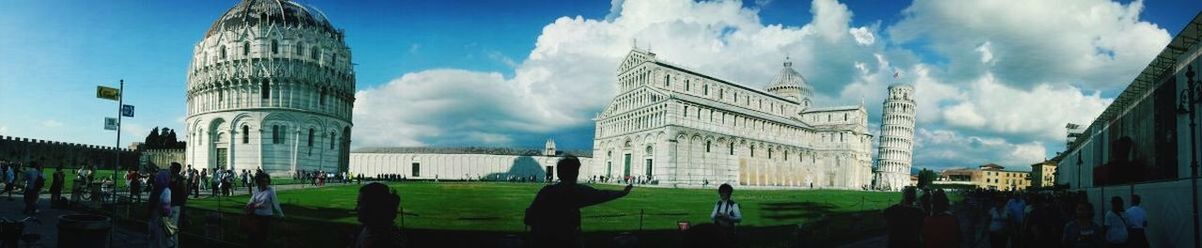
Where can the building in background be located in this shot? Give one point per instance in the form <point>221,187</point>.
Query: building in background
<point>270,86</point>
<point>682,128</point>
<point>987,176</point>
<point>896,146</point>
<point>1043,174</point>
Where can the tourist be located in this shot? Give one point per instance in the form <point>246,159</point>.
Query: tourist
<point>377,208</point>
<point>726,212</point>
<point>204,179</point>
<point>261,208</point>
<point>159,208</point>
<point>135,186</point>
<point>249,182</point>
<point>1137,222</point>
<point>941,229</point>
<point>179,198</point>
<point>194,182</point>
<point>1115,224</point>
<point>33,187</point>
<point>554,215</point>
<point>1045,223</point>
<point>129,174</point>
<point>1016,209</point>
<point>1082,232</point>
<point>904,220</point>
<point>10,178</point>
<point>998,222</point>
<point>58,179</point>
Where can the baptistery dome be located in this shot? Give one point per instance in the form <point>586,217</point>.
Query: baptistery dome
<point>270,86</point>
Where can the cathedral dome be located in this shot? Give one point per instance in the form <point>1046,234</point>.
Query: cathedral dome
<point>250,13</point>
<point>790,84</point>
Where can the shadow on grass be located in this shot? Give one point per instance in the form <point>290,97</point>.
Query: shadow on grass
<point>789,211</point>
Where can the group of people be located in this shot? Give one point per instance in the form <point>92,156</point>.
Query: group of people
<point>1015,219</point>
<point>636,179</point>
<point>319,178</point>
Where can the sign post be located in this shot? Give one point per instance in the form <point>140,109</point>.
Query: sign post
<point>117,94</point>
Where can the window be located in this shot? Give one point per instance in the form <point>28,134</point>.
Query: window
<point>686,111</point>
<point>331,140</point>
<point>686,85</point>
<point>265,89</point>
<point>222,52</point>
<point>246,49</point>
<point>310,137</point>
<point>705,89</point>
<point>275,134</point>
<point>769,153</point>
<point>313,53</point>
<point>753,151</point>
<point>667,80</point>
<point>707,146</point>
<point>732,148</point>
<point>649,167</point>
<point>322,100</point>
<point>417,169</point>
<point>220,95</point>
<point>300,49</point>
<point>245,134</point>
<point>275,47</point>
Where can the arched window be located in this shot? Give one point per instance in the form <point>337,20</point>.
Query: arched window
<point>667,80</point>
<point>245,134</point>
<point>275,47</point>
<point>707,146</point>
<point>246,49</point>
<point>313,53</point>
<point>310,137</point>
<point>331,140</point>
<point>732,148</point>
<point>753,151</point>
<point>769,153</point>
<point>222,52</point>
<point>705,89</point>
<point>300,49</point>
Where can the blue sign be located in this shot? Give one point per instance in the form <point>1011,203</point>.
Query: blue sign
<point>127,110</point>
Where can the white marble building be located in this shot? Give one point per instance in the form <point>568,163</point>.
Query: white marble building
<point>459,164</point>
<point>271,86</point>
<point>896,147</point>
<point>682,128</point>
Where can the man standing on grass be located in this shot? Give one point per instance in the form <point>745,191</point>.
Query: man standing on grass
<point>554,216</point>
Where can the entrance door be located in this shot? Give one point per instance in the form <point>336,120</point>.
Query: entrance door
<point>222,158</point>
<point>626,171</point>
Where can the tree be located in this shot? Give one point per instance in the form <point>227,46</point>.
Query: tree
<point>153,141</point>
<point>925,177</point>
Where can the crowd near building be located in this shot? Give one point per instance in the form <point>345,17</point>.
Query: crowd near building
<point>270,86</point>
<point>1145,143</point>
<point>683,128</point>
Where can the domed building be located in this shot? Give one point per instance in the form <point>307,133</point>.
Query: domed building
<point>270,86</point>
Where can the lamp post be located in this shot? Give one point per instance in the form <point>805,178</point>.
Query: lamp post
<point>1190,97</point>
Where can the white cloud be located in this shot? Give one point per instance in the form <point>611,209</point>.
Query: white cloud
<point>1096,42</point>
<point>1039,113</point>
<point>3,130</point>
<point>946,148</point>
<point>986,53</point>
<point>863,35</point>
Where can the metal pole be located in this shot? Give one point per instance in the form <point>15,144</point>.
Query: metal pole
<point>1193,141</point>
<point>120,102</point>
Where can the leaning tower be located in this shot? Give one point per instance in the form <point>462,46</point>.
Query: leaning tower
<point>894,156</point>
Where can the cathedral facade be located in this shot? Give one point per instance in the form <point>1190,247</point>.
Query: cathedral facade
<point>675,127</point>
<point>270,86</point>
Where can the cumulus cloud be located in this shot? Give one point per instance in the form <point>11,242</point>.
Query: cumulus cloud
<point>3,130</point>
<point>863,35</point>
<point>1094,42</point>
<point>947,148</point>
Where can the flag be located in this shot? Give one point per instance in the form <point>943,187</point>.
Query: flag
<point>108,93</point>
<point>110,123</point>
<point>127,110</point>
<point>896,75</point>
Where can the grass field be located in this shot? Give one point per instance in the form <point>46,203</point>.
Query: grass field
<point>501,206</point>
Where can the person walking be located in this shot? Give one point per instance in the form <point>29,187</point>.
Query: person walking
<point>261,209</point>
<point>554,215</point>
<point>159,209</point>
<point>904,220</point>
<point>377,207</point>
<point>135,186</point>
<point>941,229</point>
<point>56,185</point>
<point>1115,224</point>
<point>1082,232</point>
<point>10,178</point>
<point>1137,222</point>
<point>179,200</point>
<point>33,187</point>
<point>999,218</point>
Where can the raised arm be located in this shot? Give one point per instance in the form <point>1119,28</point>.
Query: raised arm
<point>590,196</point>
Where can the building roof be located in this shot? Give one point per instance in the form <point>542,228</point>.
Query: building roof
<point>789,78</point>
<point>835,108</point>
<point>284,12</point>
<point>753,90</point>
<point>740,110</point>
<point>1141,87</point>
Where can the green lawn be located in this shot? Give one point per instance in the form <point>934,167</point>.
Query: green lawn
<point>500,206</point>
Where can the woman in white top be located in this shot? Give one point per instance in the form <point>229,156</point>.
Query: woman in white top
<point>262,207</point>
<point>726,212</point>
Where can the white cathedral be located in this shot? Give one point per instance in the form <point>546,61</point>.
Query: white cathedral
<point>680,128</point>
<point>270,86</point>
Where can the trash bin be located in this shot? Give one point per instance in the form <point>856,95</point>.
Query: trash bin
<point>84,230</point>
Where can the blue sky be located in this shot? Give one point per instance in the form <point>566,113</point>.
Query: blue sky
<point>482,55</point>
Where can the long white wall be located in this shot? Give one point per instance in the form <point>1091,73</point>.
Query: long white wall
<point>458,166</point>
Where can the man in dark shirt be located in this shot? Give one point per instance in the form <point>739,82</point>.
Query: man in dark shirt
<point>904,221</point>
<point>554,216</point>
